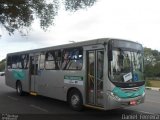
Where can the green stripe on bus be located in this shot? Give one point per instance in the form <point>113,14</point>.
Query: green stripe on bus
<point>122,94</point>
<point>18,74</point>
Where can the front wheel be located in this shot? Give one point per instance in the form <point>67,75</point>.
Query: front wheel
<point>75,100</point>
<point>19,89</point>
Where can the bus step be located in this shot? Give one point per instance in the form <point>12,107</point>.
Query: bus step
<point>33,93</point>
<point>94,107</point>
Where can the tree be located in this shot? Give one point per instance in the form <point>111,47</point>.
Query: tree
<point>20,14</point>
<point>74,5</point>
<point>2,65</point>
<point>149,58</point>
<point>151,62</point>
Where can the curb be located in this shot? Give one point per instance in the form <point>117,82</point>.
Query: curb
<point>153,88</point>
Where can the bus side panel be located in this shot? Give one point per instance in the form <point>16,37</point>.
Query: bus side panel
<point>51,83</point>
<point>25,81</point>
<point>9,79</point>
<point>74,79</point>
<point>12,75</point>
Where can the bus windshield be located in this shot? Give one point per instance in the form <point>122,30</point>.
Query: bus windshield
<point>126,66</point>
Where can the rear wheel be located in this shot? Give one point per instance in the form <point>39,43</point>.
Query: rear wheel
<point>19,88</point>
<point>75,100</point>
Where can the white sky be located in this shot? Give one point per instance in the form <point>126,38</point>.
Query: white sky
<point>136,20</point>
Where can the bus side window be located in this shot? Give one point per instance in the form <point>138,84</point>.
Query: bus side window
<point>50,62</point>
<point>42,61</point>
<point>14,62</point>
<point>77,59</point>
<point>25,61</point>
<point>32,65</point>
<point>53,59</point>
<point>72,59</point>
<point>58,55</point>
<point>36,65</point>
<point>65,59</point>
<point>9,62</point>
<point>22,61</point>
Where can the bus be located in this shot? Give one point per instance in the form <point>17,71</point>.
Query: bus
<point>103,73</point>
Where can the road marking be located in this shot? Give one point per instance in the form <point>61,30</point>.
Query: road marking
<point>13,98</point>
<point>39,108</point>
<point>152,101</point>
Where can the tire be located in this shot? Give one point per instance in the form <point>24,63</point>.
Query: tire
<point>75,100</point>
<point>19,89</point>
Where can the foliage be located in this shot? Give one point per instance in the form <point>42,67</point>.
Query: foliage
<point>151,62</point>
<point>74,5</point>
<point>153,83</point>
<point>20,14</point>
<point>2,65</point>
<point>148,83</point>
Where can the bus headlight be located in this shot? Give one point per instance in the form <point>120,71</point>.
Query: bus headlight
<point>143,94</point>
<point>114,96</point>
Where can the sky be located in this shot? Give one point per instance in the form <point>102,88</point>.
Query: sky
<point>135,20</point>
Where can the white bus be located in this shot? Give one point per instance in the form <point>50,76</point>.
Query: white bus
<point>102,73</point>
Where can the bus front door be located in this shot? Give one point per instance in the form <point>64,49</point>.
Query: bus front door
<point>33,73</point>
<point>95,66</point>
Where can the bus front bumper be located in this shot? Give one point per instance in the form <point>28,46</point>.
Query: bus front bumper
<point>116,102</point>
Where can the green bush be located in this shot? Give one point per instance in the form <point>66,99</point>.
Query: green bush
<point>148,84</point>
<point>2,65</point>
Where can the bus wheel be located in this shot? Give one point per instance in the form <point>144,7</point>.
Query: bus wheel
<point>75,100</point>
<point>19,88</point>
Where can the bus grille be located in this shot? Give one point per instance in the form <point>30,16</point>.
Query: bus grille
<point>130,89</point>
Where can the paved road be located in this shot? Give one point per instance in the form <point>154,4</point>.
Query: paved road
<point>27,107</point>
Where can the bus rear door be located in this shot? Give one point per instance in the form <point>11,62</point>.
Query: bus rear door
<point>34,75</point>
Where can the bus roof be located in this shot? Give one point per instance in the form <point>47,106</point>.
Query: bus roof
<point>70,45</point>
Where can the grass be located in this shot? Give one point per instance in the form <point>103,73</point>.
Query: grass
<point>153,83</point>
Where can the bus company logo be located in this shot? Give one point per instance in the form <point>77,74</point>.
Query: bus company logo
<point>78,80</point>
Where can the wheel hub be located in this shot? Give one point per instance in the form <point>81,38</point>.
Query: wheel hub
<point>75,100</point>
